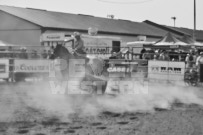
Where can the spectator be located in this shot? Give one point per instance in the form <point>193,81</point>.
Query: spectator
<point>196,54</point>
<point>87,50</point>
<point>34,54</point>
<point>1,54</point>
<point>9,52</point>
<point>163,55</point>
<point>189,60</point>
<point>120,56</point>
<point>156,54</point>
<point>113,55</point>
<point>142,52</point>
<point>146,55</point>
<point>23,53</point>
<point>44,54</point>
<point>199,59</point>
<point>50,54</point>
<point>173,55</point>
<point>155,57</point>
<point>182,55</point>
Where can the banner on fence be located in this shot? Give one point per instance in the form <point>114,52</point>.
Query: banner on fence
<point>121,68</point>
<point>4,68</point>
<point>166,70</point>
<point>31,66</point>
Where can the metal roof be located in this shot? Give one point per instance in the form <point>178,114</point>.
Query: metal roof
<point>178,30</point>
<point>50,19</point>
<point>198,33</point>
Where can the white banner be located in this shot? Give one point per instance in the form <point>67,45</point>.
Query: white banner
<point>31,66</point>
<point>97,42</point>
<point>4,68</point>
<point>166,70</point>
<point>52,37</point>
<point>77,67</point>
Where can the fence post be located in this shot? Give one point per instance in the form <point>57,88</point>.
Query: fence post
<point>11,69</point>
<point>201,73</point>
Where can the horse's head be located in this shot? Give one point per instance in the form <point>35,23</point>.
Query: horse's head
<point>62,52</point>
<point>97,65</point>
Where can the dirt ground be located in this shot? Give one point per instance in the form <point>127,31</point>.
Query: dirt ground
<point>180,119</point>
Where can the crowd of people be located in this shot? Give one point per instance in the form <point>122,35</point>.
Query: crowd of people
<point>192,58</point>
<point>23,53</point>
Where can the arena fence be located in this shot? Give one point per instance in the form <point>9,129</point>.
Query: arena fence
<point>127,65</point>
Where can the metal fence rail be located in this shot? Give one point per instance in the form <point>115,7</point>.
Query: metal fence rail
<point>150,70</point>
<point>149,67</point>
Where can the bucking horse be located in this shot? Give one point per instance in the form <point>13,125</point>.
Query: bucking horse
<point>90,72</point>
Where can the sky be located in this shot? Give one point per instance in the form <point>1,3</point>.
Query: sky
<point>158,11</point>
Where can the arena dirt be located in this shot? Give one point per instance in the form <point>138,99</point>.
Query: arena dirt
<point>31,109</point>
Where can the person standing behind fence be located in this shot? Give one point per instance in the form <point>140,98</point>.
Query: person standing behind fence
<point>163,55</point>
<point>142,52</point>
<point>35,55</point>
<point>113,55</point>
<point>50,54</point>
<point>44,54</point>
<point>189,60</point>
<point>148,55</point>
<point>23,53</point>
<point>199,60</point>
<point>9,53</point>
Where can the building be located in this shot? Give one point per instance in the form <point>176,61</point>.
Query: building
<point>24,26</point>
<point>178,31</point>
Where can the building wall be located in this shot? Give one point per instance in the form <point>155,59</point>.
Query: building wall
<point>16,31</point>
<point>124,38</point>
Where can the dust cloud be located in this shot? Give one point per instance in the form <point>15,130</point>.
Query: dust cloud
<point>35,101</point>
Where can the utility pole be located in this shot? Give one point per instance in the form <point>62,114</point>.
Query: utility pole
<point>174,19</point>
<point>194,21</point>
